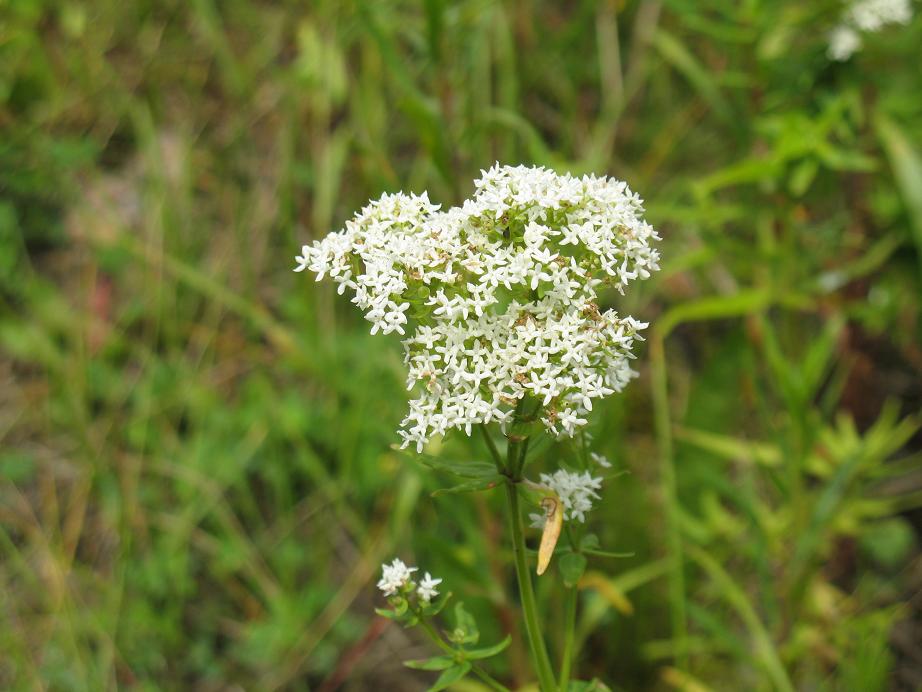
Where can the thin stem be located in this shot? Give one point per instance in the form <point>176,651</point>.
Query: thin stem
<point>489,680</point>
<point>568,637</point>
<point>520,464</point>
<point>491,445</point>
<point>539,655</point>
<point>476,669</point>
<point>435,636</point>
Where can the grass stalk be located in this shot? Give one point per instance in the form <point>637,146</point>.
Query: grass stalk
<point>670,499</point>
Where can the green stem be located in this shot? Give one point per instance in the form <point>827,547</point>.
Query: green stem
<point>434,636</point>
<point>663,426</point>
<point>520,464</point>
<point>492,683</point>
<point>491,445</point>
<point>568,637</point>
<point>536,643</point>
<point>489,680</point>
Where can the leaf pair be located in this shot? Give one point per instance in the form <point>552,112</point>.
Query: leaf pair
<point>456,665</point>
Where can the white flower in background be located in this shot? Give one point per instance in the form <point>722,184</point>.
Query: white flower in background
<point>873,15</point>
<point>865,16</point>
<point>426,590</point>
<point>395,576</point>
<point>576,492</point>
<point>503,291</point>
<point>600,460</point>
<point>843,42</point>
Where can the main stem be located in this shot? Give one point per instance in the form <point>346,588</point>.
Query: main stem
<point>568,637</point>
<point>539,655</point>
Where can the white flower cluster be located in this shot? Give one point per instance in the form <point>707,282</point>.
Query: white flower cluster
<point>502,291</point>
<point>865,16</point>
<point>397,576</point>
<point>575,490</point>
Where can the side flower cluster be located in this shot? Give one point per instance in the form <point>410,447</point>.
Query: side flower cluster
<point>575,490</point>
<point>865,16</point>
<point>397,578</point>
<point>502,293</point>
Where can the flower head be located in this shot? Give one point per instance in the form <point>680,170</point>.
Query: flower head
<point>426,590</point>
<point>575,490</point>
<point>504,294</point>
<point>395,576</point>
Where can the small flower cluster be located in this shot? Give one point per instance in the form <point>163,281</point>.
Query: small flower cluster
<point>503,294</point>
<point>866,16</point>
<point>575,490</point>
<point>398,578</point>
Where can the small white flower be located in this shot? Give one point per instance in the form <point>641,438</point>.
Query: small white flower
<point>843,42</point>
<point>426,590</point>
<point>395,576</point>
<point>600,460</point>
<point>537,520</point>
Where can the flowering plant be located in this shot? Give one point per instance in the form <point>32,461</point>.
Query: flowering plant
<point>498,301</point>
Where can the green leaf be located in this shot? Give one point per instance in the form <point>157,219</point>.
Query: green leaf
<point>589,542</point>
<point>472,485</point>
<point>487,651</point>
<point>387,613</point>
<point>742,302</point>
<point>606,553</point>
<point>438,605</point>
<point>572,567</point>
<point>434,663</point>
<point>465,631</point>
<point>728,447</point>
<point>473,469</point>
<point>451,676</point>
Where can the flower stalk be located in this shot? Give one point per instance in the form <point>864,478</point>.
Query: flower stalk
<point>569,631</point>
<point>540,658</point>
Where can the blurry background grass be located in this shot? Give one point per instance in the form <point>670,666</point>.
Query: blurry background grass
<point>196,481</point>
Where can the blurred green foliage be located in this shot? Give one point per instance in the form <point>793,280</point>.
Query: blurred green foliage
<point>197,485</point>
